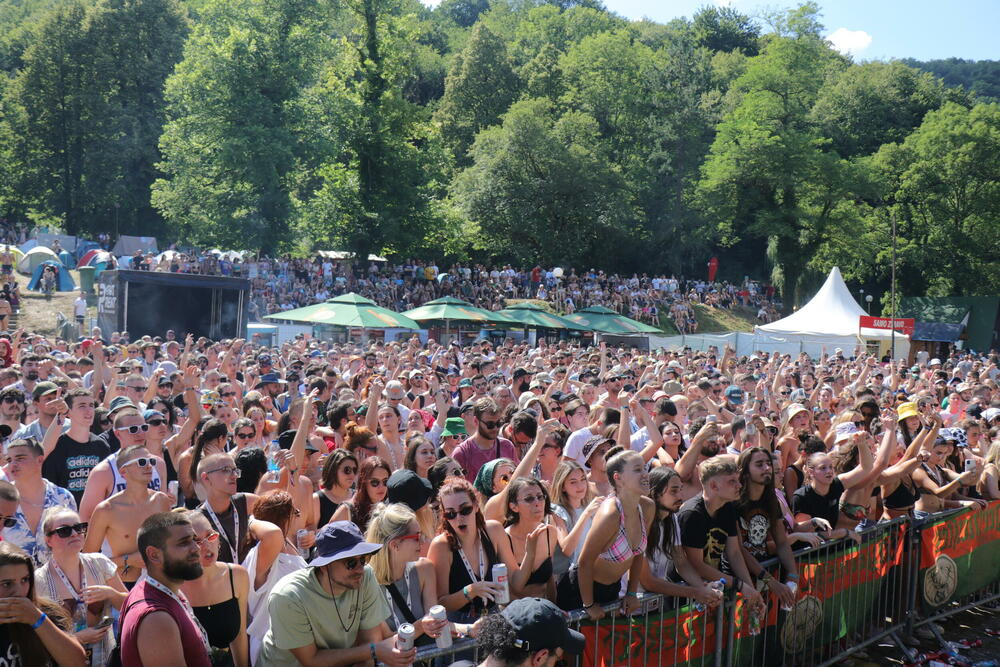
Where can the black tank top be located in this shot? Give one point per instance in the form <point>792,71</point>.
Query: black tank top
<point>903,497</point>
<point>326,509</point>
<point>458,576</point>
<point>543,572</point>
<point>221,622</point>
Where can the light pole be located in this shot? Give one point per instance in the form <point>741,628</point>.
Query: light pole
<point>892,354</point>
<point>868,302</point>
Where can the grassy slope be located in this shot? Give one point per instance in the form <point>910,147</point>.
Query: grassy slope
<point>710,320</point>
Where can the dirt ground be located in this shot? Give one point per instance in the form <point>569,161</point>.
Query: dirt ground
<point>38,314</point>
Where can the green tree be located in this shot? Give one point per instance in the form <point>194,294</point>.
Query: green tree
<point>542,189</point>
<point>769,177</point>
<point>480,88</point>
<point>235,133</point>
<point>726,29</point>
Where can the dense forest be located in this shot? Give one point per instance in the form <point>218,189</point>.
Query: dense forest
<point>501,130</point>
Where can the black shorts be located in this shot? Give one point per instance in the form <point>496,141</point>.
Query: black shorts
<point>568,591</point>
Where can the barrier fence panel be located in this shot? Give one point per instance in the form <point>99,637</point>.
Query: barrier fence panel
<point>903,575</point>
<point>959,565</point>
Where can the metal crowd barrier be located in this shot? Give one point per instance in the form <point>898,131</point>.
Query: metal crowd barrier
<point>904,575</point>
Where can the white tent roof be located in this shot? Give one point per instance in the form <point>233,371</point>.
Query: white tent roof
<point>832,312</point>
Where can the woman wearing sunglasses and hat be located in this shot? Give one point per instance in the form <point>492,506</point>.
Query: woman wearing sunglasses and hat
<point>74,578</point>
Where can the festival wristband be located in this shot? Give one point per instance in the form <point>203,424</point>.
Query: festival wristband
<point>631,594</point>
<point>371,647</point>
<point>37,624</point>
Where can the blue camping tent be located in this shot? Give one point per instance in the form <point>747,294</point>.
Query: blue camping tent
<point>67,260</point>
<point>66,283</point>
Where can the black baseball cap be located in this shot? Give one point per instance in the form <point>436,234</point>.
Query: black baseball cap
<point>405,486</point>
<point>540,625</point>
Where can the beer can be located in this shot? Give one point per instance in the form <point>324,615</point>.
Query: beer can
<point>404,637</point>
<point>500,577</point>
<point>438,613</point>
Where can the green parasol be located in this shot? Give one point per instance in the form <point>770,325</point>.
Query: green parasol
<point>448,310</point>
<point>533,316</point>
<point>348,310</point>
<point>606,320</point>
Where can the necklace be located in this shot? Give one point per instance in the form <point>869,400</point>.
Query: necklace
<point>354,608</point>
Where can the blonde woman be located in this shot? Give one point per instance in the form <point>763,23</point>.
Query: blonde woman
<point>574,505</point>
<point>797,421</point>
<point>408,581</point>
<point>989,481</point>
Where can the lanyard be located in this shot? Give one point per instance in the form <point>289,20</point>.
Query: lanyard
<point>482,563</point>
<point>77,595</point>
<point>186,606</point>
<point>216,523</point>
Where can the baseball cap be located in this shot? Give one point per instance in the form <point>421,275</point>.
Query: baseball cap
<point>519,372</point>
<point>734,394</point>
<point>405,486</point>
<point>43,388</point>
<point>540,625</point>
<point>338,540</point>
<point>465,382</point>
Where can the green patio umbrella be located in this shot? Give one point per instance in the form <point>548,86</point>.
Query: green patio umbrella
<point>606,320</point>
<point>448,309</point>
<point>348,310</point>
<point>533,316</point>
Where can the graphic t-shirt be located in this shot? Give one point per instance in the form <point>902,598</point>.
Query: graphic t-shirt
<point>755,527</point>
<point>806,500</point>
<point>700,530</point>
<point>70,462</point>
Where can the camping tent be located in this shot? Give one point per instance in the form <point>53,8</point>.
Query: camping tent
<point>64,283</point>
<point>831,318</point>
<point>34,257</point>
<point>67,259</point>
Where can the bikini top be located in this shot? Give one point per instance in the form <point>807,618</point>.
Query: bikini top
<point>543,572</point>
<point>620,550</point>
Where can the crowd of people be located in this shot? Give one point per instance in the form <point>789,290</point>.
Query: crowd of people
<point>280,284</point>
<point>201,502</point>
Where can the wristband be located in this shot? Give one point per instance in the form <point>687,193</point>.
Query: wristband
<point>371,647</point>
<point>792,577</point>
<point>631,594</point>
<point>465,592</point>
<point>588,606</point>
<point>37,624</point>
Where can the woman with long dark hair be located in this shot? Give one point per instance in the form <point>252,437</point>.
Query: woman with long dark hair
<point>663,548</point>
<point>211,439</point>
<point>529,517</point>
<point>36,631</point>
<point>372,487</point>
<point>340,471</point>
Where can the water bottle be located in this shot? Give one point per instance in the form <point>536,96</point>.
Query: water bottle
<point>751,428</point>
<point>793,587</point>
<point>300,535</point>
<point>273,469</point>
<point>753,624</point>
<point>404,637</point>
<point>500,577</point>
<point>438,613</point>
<point>719,585</point>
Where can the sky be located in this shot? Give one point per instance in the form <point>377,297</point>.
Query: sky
<point>871,29</point>
<point>868,29</point>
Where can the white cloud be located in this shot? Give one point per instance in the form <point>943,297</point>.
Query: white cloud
<point>850,42</point>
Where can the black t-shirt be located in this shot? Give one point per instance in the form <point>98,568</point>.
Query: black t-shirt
<point>806,500</point>
<point>70,462</point>
<point>699,530</point>
<point>9,655</point>
<point>755,527</point>
<point>109,437</point>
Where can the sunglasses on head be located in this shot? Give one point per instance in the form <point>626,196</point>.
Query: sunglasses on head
<point>134,429</point>
<point>66,531</point>
<point>464,510</point>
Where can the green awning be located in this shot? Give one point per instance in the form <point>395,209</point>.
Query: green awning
<point>449,310</point>
<point>348,310</point>
<point>533,316</point>
<point>599,318</point>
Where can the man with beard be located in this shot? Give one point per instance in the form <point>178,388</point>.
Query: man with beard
<point>708,528</point>
<point>31,372</point>
<point>159,628</point>
<point>706,442</point>
<point>486,444</point>
<point>11,408</point>
<point>330,613</point>
<point>760,518</point>
<point>115,521</point>
<point>47,399</point>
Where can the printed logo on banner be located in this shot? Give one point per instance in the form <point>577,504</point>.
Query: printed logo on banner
<point>801,624</point>
<point>940,581</point>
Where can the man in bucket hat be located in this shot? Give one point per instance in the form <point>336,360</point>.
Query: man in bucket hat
<point>330,612</point>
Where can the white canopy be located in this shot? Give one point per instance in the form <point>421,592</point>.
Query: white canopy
<point>831,316</point>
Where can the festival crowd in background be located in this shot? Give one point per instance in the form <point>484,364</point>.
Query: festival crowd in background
<point>171,500</point>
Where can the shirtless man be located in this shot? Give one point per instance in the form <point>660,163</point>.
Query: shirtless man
<point>107,477</point>
<point>6,261</point>
<point>117,519</point>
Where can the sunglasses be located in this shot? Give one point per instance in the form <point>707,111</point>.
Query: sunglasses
<point>134,429</point>
<point>135,387</point>
<point>208,539</point>
<point>354,563</point>
<point>229,470</point>
<point>348,470</point>
<point>464,510</point>
<point>156,422</point>
<point>859,424</point>
<point>8,522</point>
<point>13,399</point>
<point>105,422</point>
<point>66,531</point>
<point>412,536</point>
<point>530,500</point>
<point>228,394</point>
<point>376,483</point>
<point>490,425</point>
<point>142,462</point>
<point>244,436</point>
<point>168,385</point>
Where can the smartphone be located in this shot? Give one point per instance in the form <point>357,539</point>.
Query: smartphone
<point>104,622</point>
<point>970,465</point>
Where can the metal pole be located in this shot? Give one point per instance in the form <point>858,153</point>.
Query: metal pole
<point>892,354</point>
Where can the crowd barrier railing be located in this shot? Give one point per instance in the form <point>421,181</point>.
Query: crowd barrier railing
<point>905,574</point>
